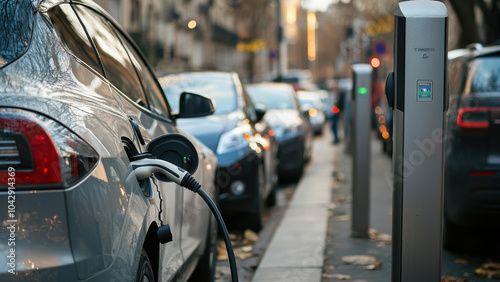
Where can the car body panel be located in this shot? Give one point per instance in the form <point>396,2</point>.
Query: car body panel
<point>96,229</point>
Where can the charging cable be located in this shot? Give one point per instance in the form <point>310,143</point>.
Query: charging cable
<point>145,167</point>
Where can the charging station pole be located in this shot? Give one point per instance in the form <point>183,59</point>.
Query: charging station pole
<point>361,114</point>
<point>417,92</point>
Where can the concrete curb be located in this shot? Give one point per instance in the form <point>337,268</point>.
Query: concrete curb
<point>296,250</point>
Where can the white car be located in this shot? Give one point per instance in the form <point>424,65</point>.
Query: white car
<point>310,101</point>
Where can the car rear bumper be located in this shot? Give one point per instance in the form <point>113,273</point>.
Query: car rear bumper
<point>34,243</point>
<point>472,200</point>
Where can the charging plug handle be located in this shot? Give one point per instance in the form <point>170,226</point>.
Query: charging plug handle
<point>144,168</point>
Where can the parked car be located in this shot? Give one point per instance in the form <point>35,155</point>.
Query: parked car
<point>291,127</point>
<point>247,175</point>
<point>472,151</point>
<point>310,102</point>
<point>300,79</point>
<point>77,102</point>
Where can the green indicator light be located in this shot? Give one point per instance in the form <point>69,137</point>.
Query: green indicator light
<point>362,90</point>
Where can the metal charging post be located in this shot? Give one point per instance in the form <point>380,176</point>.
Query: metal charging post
<point>360,99</point>
<point>417,92</point>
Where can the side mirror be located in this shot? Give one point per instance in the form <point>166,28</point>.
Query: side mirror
<point>176,149</point>
<point>195,105</point>
<point>260,111</point>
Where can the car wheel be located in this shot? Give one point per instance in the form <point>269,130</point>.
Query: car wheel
<point>256,217</point>
<point>145,269</point>
<point>205,270</point>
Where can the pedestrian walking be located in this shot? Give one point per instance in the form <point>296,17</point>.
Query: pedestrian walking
<point>337,109</point>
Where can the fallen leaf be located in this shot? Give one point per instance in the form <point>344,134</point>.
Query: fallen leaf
<point>372,233</point>
<point>250,235</point>
<point>329,267</point>
<point>452,279</point>
<point>489,274</point>
<point>384,237</point>
<point>491,265</point>
<point>233,237</point>
<point>238,253</point>
<point>222,254</point>
<point>344,217</point>
<point>337,276</point>
<point>461,261</point>
<point>247,249</point>
<point>376,265</point>
<point>490,270</point>
<point>360,259</point>
<point>221,251</point>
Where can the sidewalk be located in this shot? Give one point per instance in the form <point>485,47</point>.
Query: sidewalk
<point>339,243</point>
<point>296,251</point>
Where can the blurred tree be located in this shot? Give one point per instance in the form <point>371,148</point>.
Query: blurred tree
<point>466,14</point>
<point>256,22</point>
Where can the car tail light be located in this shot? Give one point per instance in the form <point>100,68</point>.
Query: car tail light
<point>42,152</point>
<point>483,172</point>
<point>473,119</point>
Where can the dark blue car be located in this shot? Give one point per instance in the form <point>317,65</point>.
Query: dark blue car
<point>236,132</point>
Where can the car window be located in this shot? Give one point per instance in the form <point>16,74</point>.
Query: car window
<point>72,35</point>
<point>153,92</point>
<point>16,25</point>
<point>218,87</point>
<point>116,62</point>
<point>273,97</point>
<point>484,75</point>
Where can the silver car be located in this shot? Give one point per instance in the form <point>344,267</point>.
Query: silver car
<point>77,102</point>
<point>310,102</point>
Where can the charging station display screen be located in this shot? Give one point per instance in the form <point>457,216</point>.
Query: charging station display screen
<point>424,91</point>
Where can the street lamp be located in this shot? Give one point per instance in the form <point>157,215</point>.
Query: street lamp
<point>311,36</point>
<point>192,24</point>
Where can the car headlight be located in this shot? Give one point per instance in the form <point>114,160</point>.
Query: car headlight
<point>236,138</point>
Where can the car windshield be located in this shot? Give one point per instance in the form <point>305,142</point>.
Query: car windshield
<point>484,75</point>
<point>218,87</point>
<point>16,21</point>
<point>272,98</point>
<point>308,102</point>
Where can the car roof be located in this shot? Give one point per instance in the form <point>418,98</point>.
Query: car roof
<point>45,5</point>
<point>269,85</point>
<point>474,51</point>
